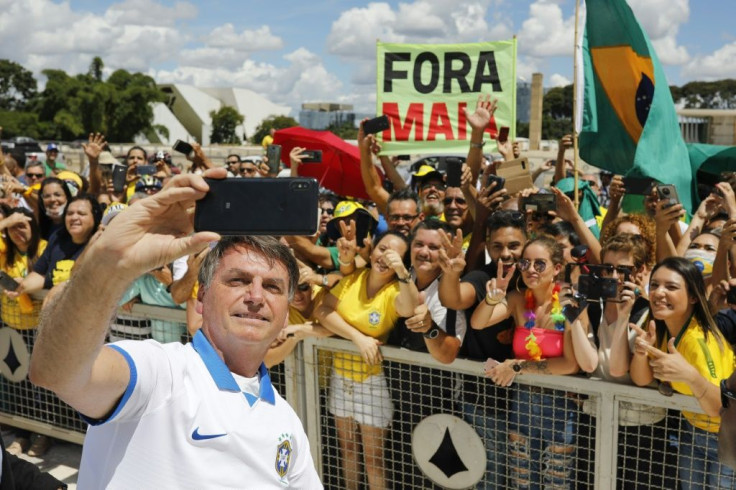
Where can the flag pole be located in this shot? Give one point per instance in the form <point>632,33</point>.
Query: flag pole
<point>575,82</point>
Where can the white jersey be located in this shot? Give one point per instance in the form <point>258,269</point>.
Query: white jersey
<point>185,421</point>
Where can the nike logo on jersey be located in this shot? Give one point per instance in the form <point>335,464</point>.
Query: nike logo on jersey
<point>203,437</point>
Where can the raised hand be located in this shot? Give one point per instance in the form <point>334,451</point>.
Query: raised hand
<point>93,148</point>
<point>484,109</point>
<point>347,246</point>
<point>156,230</point>
<point>451,255</point>
<point>393,261</point>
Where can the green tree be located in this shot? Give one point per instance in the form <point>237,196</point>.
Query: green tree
<point>224,123</point>
<point>557,108</point>
<point>718,94</point>
<point>17,86</point>
<point>272,122</point>
<point>345,129</point>
<point>95,68</point>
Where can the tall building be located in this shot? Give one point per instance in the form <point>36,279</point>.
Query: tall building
<point>320,115</point>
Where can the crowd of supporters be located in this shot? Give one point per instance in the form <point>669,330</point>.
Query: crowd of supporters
<point>634,294</point>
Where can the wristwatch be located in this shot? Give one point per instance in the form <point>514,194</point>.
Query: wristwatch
<point>477,145</point>
<point>516,367</point>
<point>325,282</point>
<point>432,333</point>
<point>726,394</point>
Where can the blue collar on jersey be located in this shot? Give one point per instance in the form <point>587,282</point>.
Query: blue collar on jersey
<point>223,377</point>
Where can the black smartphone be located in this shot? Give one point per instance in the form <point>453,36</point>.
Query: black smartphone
<point>638,185</point>
<point>273,153</point>
<point>573,311</point>
<point>312,156</point>
<point>500,182</point>
<point>119,173</point>
<point>454,172</point>
<point>731,296</point>
<point>539,203</point>
<point>403,158</point>
<point>145,169</point>
<point>182,147</point>
<point>376,125</point>
<point>503,134</point>
<point>668,193</point>
<point>7,282</point>
<point>268,206</point>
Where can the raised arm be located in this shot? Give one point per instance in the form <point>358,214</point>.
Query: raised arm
<point>368,172</point>
<point>69,357</point>
<point>453,293</point>
<point>479,121</point>
<point>92,150</point>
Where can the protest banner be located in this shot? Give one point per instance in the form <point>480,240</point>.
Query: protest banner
<point>423,89</point>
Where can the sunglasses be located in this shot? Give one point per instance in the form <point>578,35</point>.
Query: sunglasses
<point>329,211</point>
<point>448,200</point>
<point>436,185</point>
<point>247,171</point>
<point>621,270</point>
<point>303,287</point>
<point>34,176</point>
<point>540,265</point>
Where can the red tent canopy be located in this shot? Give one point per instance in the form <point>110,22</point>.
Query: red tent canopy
<point>340,167</point>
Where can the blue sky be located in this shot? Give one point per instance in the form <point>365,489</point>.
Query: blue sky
<point>294,51</point>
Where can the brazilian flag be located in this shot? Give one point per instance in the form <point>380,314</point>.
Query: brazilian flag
<point>629,123</point>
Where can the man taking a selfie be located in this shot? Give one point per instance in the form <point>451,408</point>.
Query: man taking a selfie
<point>201,415</point>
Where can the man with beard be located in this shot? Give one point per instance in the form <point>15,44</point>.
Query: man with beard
<point>423,391</point>
<point>484,404</point>
<point>403,211</point>
<point>430,184</point>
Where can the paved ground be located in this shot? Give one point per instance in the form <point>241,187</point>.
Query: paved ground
<point>61,460</point>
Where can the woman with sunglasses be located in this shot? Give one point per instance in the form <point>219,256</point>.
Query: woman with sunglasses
<point>541,448</point>
<point>683,347</point>
<point>606,354</point>
<point>364,308</point>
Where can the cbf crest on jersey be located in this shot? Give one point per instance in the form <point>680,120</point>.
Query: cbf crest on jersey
<point>374,318</point>
<point>283,456</point>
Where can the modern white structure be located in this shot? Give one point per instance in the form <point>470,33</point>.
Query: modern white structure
<point>186,113</point>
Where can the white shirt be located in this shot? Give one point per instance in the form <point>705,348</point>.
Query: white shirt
<point>183,422</point>
<point>439,312</point>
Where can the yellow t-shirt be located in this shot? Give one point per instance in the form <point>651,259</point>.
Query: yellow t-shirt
<point>374,317</point>
<point>324,357</point>
<point>9,307</point>
<point>713,361</point>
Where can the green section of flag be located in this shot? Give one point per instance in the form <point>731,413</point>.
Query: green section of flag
<point>423,88</point>
<point>622,77</point>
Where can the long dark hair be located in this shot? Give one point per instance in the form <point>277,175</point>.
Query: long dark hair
<point>45,223</point>
<point>693,279</point>
<point>404,258</point>
<point>96,213</point>
<point>11,248</point>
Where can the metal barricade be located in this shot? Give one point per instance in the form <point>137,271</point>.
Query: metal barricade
<point>572,432</point>
<point>568,430</point>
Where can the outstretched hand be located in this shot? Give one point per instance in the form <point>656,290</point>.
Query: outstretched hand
<point>156,230</point>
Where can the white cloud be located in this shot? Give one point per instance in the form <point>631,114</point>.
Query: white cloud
<point>719,64</point>
<point>133,35</point>
<point>260,39</point>
<point>557,80</point>
<point>149,13</point>
<point>661,19</point>
<point>304,78</point>
<point>353,35</point>
<point>546,32</point>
